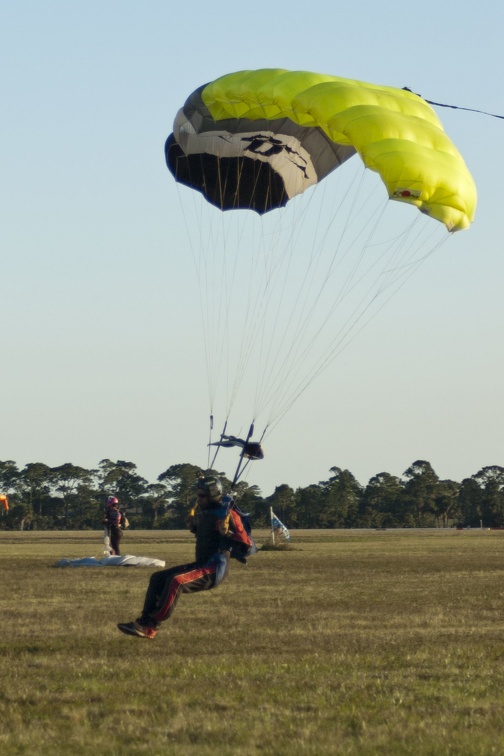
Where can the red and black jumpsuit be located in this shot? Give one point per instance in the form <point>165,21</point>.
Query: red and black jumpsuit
<point>210,524</point>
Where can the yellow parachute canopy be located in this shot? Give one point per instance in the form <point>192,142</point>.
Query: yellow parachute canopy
<point>255,139</point>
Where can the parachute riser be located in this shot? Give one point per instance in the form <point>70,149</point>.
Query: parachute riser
<point>240,461</point>
<point>211,466</point>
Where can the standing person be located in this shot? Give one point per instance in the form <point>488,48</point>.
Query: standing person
<point>114,522</point>
<point>215,524</point>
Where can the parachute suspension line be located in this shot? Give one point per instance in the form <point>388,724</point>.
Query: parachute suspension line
<point>273,295</point>
<point>215,279</point>
<point>249,315</point>
<point>248,301</point>
<point>224,286</point>
<point>340,340</point>
<point>263,291</point>
<point>403,264</point>
<point>209,441</point>
<point>270,292</point>
<point>274,332</point>
<point>217,449</point>
<point>237,474</point>
<point>306,312</point>
<point>223,343</point>
<point>294,360</point>
<point>197,258</point>
<point>226,277</point>
<point>208,275</point>
<point>304,305</point>
<point>264,266</point>
<point>405,272</point>
<point>216,271</point>
<point>251,306</point>
<point>218,264</point>
<point>217,296</point>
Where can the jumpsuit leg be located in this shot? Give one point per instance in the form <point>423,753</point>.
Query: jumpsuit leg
<point>115,538</point>
<point>166,586</point>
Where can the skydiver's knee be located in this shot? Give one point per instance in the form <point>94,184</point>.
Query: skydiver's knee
<point>176,582</point>
<point>157,581</point>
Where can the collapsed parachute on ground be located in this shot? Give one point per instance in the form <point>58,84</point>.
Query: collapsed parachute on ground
<point>255,139</point>
<point>127,560</point>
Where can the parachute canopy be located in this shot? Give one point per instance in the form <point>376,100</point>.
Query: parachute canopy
<point>255,139</point>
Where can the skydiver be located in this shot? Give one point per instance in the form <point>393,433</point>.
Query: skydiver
<point>211,522</point>
<point>114,522</point>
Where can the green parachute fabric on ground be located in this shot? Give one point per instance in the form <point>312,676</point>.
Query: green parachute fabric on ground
<point>255,139</point>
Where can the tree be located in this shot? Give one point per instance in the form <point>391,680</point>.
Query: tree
<point>154,505</point>
<point>381,504</point>
<point>308,506</point>
<point>9,476</point>
<point>421,490</point>
<point>340,500</point>
<point>470,503</point>
<point>70,481</point>
<point>70,496</point>
<point>9,483</point>
<point>21,515</point>
<point>180,481</point>
<point>446,502</point>
<point>36,478</point>
<point>249,499</point>
<point>121,479</point>
<point>283,503</point>
<point>491,481</point>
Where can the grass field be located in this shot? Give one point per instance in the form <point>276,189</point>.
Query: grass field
<point>352,642</point>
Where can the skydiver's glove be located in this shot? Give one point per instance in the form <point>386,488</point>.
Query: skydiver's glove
<point>190,521</point>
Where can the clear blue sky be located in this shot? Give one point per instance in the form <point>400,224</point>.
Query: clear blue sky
<point>100,337</point>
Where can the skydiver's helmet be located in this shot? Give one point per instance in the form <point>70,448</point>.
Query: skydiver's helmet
<point>212,487</point>
<point>112,501</point>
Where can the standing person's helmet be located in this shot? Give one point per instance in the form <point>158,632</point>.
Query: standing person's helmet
<point>212,487</point>
<point>112,501</point>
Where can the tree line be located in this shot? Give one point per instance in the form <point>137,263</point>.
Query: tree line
<point>69,497</point>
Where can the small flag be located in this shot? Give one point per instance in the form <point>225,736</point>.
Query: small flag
<point>277,525</point>
<point>5,502</point>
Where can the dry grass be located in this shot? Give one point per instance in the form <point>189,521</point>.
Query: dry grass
<point>350,642</point>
